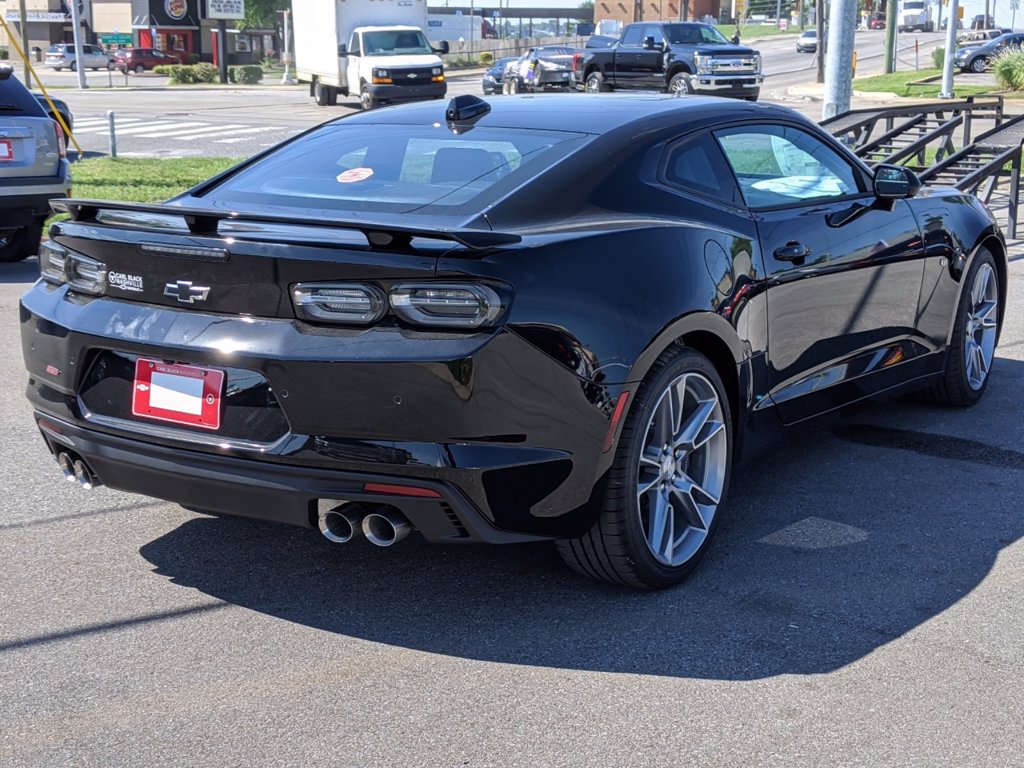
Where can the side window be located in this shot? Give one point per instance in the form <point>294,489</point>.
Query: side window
<point>697,165</point>
<point>634,36</point>
<point>355,46</point>
<point>653,31</point>
<point>778,165</point>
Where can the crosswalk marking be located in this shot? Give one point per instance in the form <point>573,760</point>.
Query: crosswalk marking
<point>190,132</point>
<point>212,130</point>
<point>261,129</point>
<point>140,129</point>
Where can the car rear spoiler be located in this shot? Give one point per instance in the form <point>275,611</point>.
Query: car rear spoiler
<point>202,221</point>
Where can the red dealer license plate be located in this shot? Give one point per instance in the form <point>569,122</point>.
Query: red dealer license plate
<point>6,150</point>
<point>180,394</point>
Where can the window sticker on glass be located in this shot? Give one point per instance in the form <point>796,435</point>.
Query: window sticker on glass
<point>355,174</point>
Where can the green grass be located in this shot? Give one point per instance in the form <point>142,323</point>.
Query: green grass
<point>897,83</point>
<point>142,180</point>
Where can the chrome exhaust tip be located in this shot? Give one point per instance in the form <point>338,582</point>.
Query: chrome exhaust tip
<point>67,467</point>
<point>385,527</point>
<point>84,475</point>
<point>342,523</point>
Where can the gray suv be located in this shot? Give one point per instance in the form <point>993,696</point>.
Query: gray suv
<point>33,168</point>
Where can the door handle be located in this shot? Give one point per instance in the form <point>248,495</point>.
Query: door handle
<point>792,251</point>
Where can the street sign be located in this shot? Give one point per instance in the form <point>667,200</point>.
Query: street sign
<point>116,39</point>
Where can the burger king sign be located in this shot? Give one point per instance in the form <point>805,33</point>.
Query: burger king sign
<point>176,9</point>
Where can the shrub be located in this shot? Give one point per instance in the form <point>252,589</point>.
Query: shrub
<point>249,74</point>
<point>193,58</point>
<point>487,58</point>
<point>186,74</point>
<point>1008,67</point>
<point>3,54</point>
<point>939,57</point>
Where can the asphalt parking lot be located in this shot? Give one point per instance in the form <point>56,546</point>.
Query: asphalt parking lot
<point>861,606</point>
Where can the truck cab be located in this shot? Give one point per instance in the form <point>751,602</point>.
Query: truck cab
<point>391,64</point>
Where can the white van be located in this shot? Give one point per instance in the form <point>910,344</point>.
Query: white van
<point>62,55</point>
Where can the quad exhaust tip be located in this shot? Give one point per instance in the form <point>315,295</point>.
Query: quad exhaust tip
<point>385,527</point>
<point>342,523</point>
<point>75,470</point>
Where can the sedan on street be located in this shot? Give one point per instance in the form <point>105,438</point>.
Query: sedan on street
<point>807,42</point>
<point>492,81</point>
<point>561,319</point>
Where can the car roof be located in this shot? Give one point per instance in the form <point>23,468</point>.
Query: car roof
<point>582,112</point>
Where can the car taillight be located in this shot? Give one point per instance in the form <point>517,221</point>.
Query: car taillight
<point>59,265</point>
<point>339,302</point>
<point>455,305</point>
<point>577,61</point>
<point>62,144</point>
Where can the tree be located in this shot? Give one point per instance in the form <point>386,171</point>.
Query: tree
<point>262,14</point>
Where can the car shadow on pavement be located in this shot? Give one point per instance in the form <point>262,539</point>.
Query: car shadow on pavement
<point>839,540</point>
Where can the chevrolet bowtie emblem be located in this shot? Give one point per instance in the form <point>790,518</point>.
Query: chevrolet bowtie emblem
<point>185,292</point>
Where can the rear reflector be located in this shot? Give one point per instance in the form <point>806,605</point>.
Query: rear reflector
<point>620,409</point>
<point>400,490</point>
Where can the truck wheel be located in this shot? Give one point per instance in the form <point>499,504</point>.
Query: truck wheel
<point>669,481</point>
<point>321,95</point>
<point>513,86</point>
<point>680,84</point>
<point>366,101</point>
<point>595,83</point>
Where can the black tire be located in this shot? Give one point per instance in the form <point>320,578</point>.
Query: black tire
<point>111,65</point>
<point>320,94</point>
<point>616,548</point>
<point>979,64</point>
<point>73,66</point>
<point>595,83</point>
<point>57,69</point>
<point>680,84</point>
<point>19,244</point>
<point>513,86</point>
<point>366,101</point>
<point>139,69</point>
<point>958,387</point>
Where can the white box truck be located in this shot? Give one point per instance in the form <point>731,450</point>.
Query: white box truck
<point>371,49</point>
<point>916,16</point>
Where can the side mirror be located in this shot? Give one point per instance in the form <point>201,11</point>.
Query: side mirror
<point>895,182</point>
<point>342,51</point>
<point>442,48</point>
<point>650,44</point>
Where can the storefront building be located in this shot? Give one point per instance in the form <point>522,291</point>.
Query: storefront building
<point>172,26</point>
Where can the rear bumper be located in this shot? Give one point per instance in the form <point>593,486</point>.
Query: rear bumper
<point>23,201</point>
<point>511,439</point>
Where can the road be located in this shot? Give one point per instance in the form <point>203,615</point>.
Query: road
<point>860,607</point>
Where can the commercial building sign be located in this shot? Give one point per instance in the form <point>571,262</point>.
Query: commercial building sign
<point>38,16</point>
<point>225,9</point>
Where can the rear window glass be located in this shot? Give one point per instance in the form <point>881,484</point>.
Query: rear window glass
<point>16,100</point>
<point>397,168</point>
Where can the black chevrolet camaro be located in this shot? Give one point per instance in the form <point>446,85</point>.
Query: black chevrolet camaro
<point>551,318</point>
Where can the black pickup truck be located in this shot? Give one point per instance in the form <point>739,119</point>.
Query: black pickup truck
<point>678,57</point>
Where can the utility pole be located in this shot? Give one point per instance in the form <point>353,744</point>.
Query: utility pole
<point>891,22</point>
<point>946,92</point>
<point>23,29</point>
<point>819,21</point>
<point>286,78</point>
<point>839,69</point>
<point>76,32</point>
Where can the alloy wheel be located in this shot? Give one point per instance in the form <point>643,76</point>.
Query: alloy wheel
<point>982,327</point>
<point>682,469</point>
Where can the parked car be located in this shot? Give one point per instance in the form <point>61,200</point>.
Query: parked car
<point>976,58</point>
<point>59,106</point>
<point>562,318</point>
<point>33,168</point>
<point>62,56</point>
<point>492,82</point>
<point>138,60</point>
<point>807,42</point>
<point>877,20</point>
<point>547,67</point>
<point>980,36</point>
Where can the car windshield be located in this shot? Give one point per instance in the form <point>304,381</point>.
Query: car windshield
<point>691,34</point>
<point>396,168</point>
<point>396,42</point>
